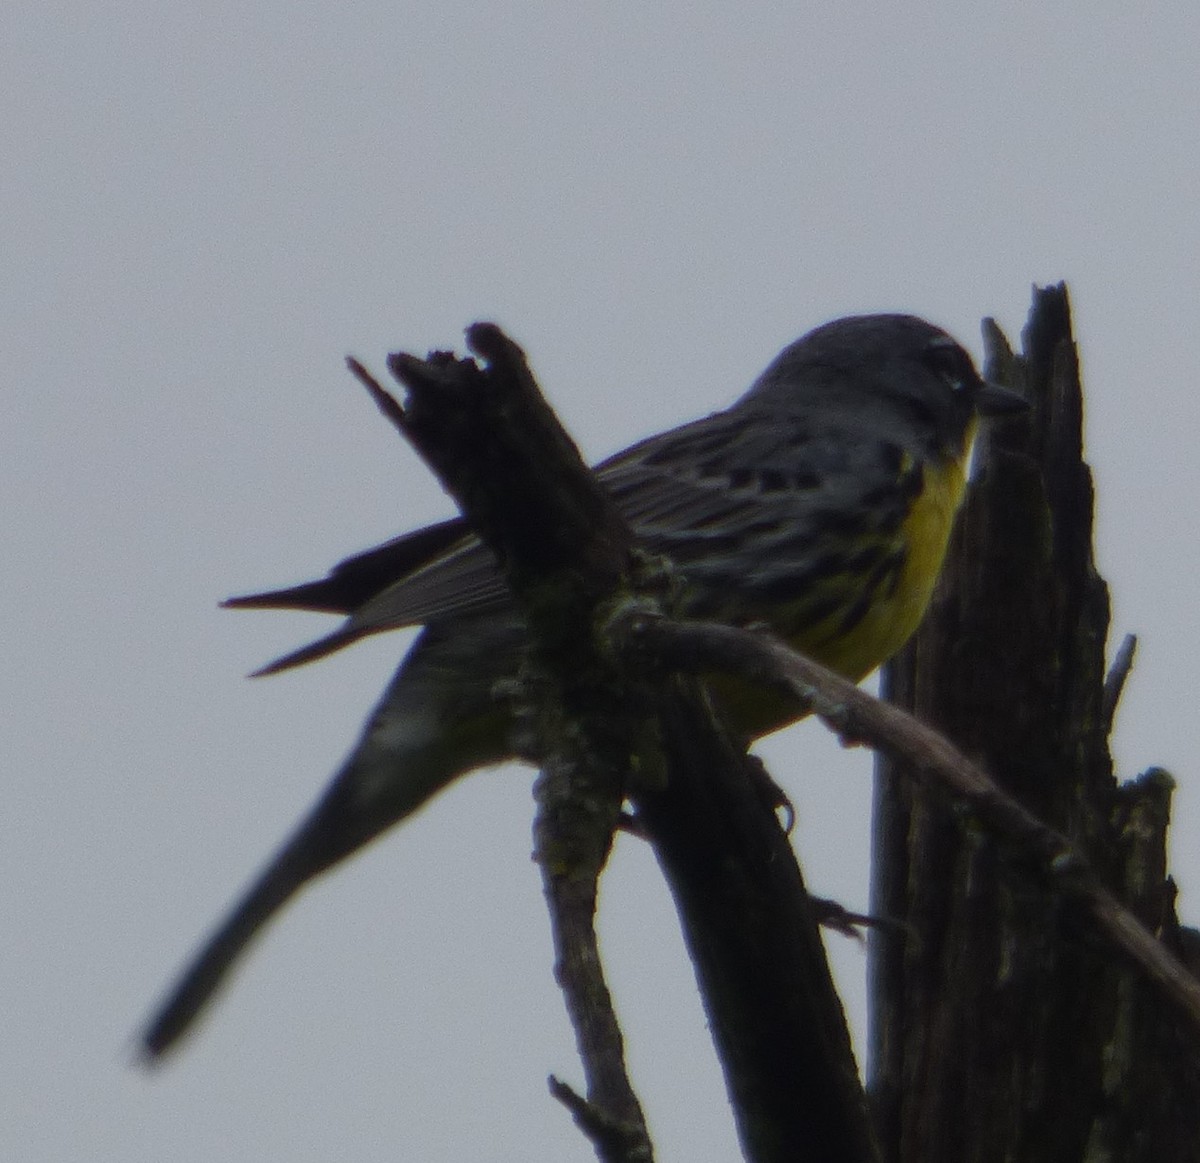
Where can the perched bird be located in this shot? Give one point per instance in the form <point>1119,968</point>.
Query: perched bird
<point>820,503</point>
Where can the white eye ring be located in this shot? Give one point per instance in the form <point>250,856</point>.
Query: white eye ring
<point>947,360</point>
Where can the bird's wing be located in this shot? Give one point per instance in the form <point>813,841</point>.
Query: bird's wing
<point>748,471</point>
<point>683,493</point>
<point>353,582</point>
<point>463,580</point>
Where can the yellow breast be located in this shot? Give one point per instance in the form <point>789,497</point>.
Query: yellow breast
<point>889,621</point>
<point>896,613</point>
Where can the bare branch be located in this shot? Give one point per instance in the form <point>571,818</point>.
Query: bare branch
<point>858,718</point>
<point>567,557</point>
<point>1114,681</point>
<point>498,448</point>
<point>612,1141</point>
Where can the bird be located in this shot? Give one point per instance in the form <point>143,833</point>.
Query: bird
<point>819,504</point>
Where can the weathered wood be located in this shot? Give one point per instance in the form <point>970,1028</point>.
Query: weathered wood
<point>776,1019</point>
<point>999,1030</point>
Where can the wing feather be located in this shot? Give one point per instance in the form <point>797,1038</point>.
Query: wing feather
<point>690,494</point>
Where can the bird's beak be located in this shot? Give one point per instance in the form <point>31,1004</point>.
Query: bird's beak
<point>994,400</point>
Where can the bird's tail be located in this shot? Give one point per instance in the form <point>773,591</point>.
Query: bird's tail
<point>379,785</point>
<point>437,720</point>
<point>279,882</point>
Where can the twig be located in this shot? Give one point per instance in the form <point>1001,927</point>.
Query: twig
<point>835,916</point>
<point>857,717</point>
<point>1114,681</point>
<point>498,448</point>
<point>567,555</point>
<point>611,1139</point>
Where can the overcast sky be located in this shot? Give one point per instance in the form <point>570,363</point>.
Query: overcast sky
<point>204,207</point>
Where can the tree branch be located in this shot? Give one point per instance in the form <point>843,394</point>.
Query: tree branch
<point>569,560</point>
<point>1007,985</point>
<point>858,718</point>
<point>498,448</point>
<point>753,937</point>
<point>1114,681</point>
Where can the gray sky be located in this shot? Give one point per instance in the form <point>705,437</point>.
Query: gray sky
<point>204,207</point>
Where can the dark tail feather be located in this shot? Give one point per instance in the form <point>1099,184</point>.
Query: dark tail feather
<point>205,975</point>
<point>355,581</point>
<point>318,595</point>
<point>330,644</point>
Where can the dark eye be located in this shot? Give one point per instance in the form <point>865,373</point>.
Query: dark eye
<point>950,364</point>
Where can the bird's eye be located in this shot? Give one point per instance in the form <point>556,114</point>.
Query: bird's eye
<point>950,364</point>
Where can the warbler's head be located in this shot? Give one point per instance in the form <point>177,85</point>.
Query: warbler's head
<point>887,371</point>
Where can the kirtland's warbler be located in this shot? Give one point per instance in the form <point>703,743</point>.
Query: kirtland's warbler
<point>819,504</point>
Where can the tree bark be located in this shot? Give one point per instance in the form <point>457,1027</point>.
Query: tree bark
<point>569,561</point>
<point>1000,1030</point>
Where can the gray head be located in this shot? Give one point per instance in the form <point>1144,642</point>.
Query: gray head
<point>884,365</point>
